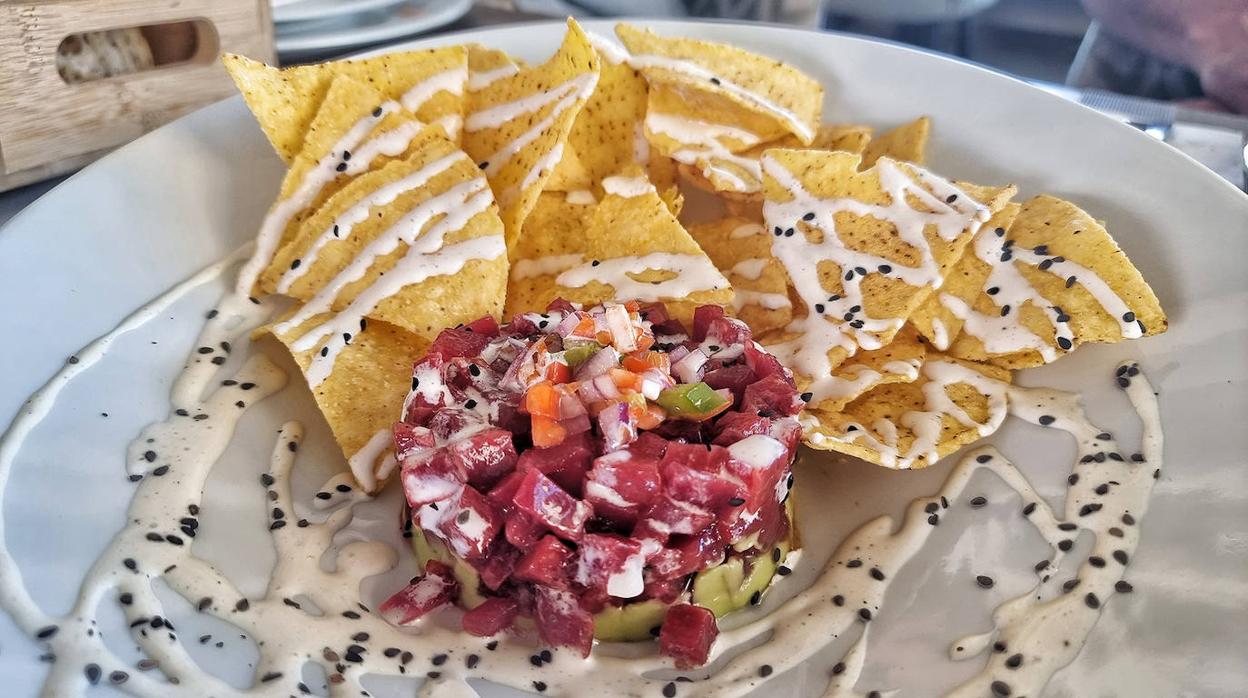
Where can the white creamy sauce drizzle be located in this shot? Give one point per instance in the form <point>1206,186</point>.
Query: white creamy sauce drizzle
<point>742,297</point>
<point>746,230</point>
<point>702,146</point>
<point>750,268</point>
<point>952,214</point>
<point>363,463</point>
<point>480,79</point>
<point>608,50</point>
<point>1009,290</point>
<point>925,424</point>
<point>563,97</point>
<point>581,197</point>
<point>544,266</point>
<point>354,155</point>
<point>627,187</point>
<point>689,273</point>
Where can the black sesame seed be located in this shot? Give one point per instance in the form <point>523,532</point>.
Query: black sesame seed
<point>885,268</point>
<point>1041,565</point>
<point>876,574</point>
<point>325,351</point>
<point>1123,587</point>
<point>714,81</point>
<point>788,233</point>
<point>93,673</point>
<point>736,501</point>
<point>838,668</point>
<point>755,598</point>
<point>539,686</point>
<point>1102,488</point>
<point>438,659</point>
<point>46,633</point>
<point>130,564</point>
<point>933,519</point>
<point>242,605</point>
<point>979,501</point>
<point>819,308</point>
<point>1000,688</point>
<point>1120,556</point>
<point>1047,419</point>
<point>1128,519</point>
<point>118,677</point>
<point>470,404</point>
<point>1064,344</point>
<point>155,537</point>
<point>1065,545</point>
<point>809,216</point>
<point>594,263</point>
<point>1087,509</point>
<point>838,600</point>
<point>784,571</point>
<point>1128,316</point>
<point>1096,561</point>
<point>1067,526</point>
<point>1005,310</point>
<point>864,614</point>
<point>984,581</point>
<point>271,676</point>
<point>1092,601</point>
<point>1027,510</point>
<point>854,563</point>
<point>931,508</point>
<point>765,670</point>
<point>669,690</point>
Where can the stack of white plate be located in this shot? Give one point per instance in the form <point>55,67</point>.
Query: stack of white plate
<point>307,28</point>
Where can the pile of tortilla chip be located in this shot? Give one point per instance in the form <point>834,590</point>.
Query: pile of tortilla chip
<point>431,188</point>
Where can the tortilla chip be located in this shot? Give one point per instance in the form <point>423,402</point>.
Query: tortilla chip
<point>553,240</point>
<point>761,85</point>
<point>907,143</point>
<point>429,83</point>
<point>570,174</point>
<point>1049,242</point>
<point>638,250</point>
<point>741,250</point>
<point>607,129</point>
<point>401,244</point>
<point>364,394</point>
<point>855,262</point>
<point>914,424</point>
<point>898,361</point>
<point>517,125</point>
<point>485,65</point>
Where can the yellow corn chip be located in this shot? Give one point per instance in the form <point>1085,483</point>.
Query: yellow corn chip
<point>914,424</point>
<point>363,396</point>
<point>553,240</point>
<point>741,250</point>
<point>1063,281</point>
<point>638,250</point>
<point>907,143</point>
<point>570,174</point>
<point>898,361</point>
<point>608,127</point>
<point>862,250</point>
<point>485,65</point>
<point>761,85</point>
<point>416,243</point>
<point>517,125</point>
<point>428,83</point>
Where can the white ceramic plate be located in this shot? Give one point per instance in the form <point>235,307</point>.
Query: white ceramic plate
<point>347,31</point>
<point>124,230</point>
<point>305,10</point>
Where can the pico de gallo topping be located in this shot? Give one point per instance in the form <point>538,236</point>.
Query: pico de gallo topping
<point>585,459</point>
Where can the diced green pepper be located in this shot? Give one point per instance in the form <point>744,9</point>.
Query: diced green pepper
<point>576,355</point>
<point>694,400</point>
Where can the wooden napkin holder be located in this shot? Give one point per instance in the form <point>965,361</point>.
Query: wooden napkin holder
<point>50,126</point>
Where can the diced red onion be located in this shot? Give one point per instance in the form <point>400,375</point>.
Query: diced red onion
<point>602,361</point>
<point>606,387</point>
<point>570,406</point>
<point>678,353</point>
<point>689,369</point>
<point>575,425</point>
<point>620,325</point>
<point>567,324</point>
<point>616,427</point>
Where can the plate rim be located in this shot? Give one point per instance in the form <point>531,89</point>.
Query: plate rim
<point>287,13</point>
<point>439,14</point>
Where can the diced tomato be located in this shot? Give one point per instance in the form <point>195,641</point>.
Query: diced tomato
<point>642,361</point>
<point>650,417</point>
<point>625,380</point>
<point>471,525</point>
<point>546,564</point>
<point>491,617</point>
<point>562,622</point>
<point>587,328</point>
<point>610,562</point>
<point>542,400</point>
<point>429,477</point>
<point>707,490</point>
<point>454,342</point>
<point>547,432</point>
<point>770,396</point>
<point>703,316</point>
<point>622,485</point>
<point>484,457</point>
<point>558,372</point>
<point>566,463</point>
<point>688,634</point>
<point>435,588</point>
<point>539,497</point>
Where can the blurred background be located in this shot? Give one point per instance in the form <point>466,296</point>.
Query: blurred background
<point>1176,69</point>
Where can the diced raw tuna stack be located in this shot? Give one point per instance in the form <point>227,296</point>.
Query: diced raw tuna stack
<point>580,460</point>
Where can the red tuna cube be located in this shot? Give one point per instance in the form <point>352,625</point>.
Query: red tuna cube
<point>429,477</point>
<point>772,396</point>
<point>545,564</point>
<point>497,566</point>
<point>649,444</point>
<point>410,439</point>
<point>484,457</point>
<point>709,459</point>
<point>486,326</point>
<point>764,364</point>
<point>455,342</point>
<point>562,622</point>
<point>622,485</point>
<point>736,378</point>
<point>673,516</point>
<point>734,426</point>
<point>539,497</point>
<point>565,463</point>
<point>687,636</point>
<point>471,525</point>
<point>703,316</point>
<point>726,332</point>
<point>435,588</point>
<point>707,490</point>
<point>493,616</point>
<point>452,423</point>
<point>522,530</point>
<point>612,563</point>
